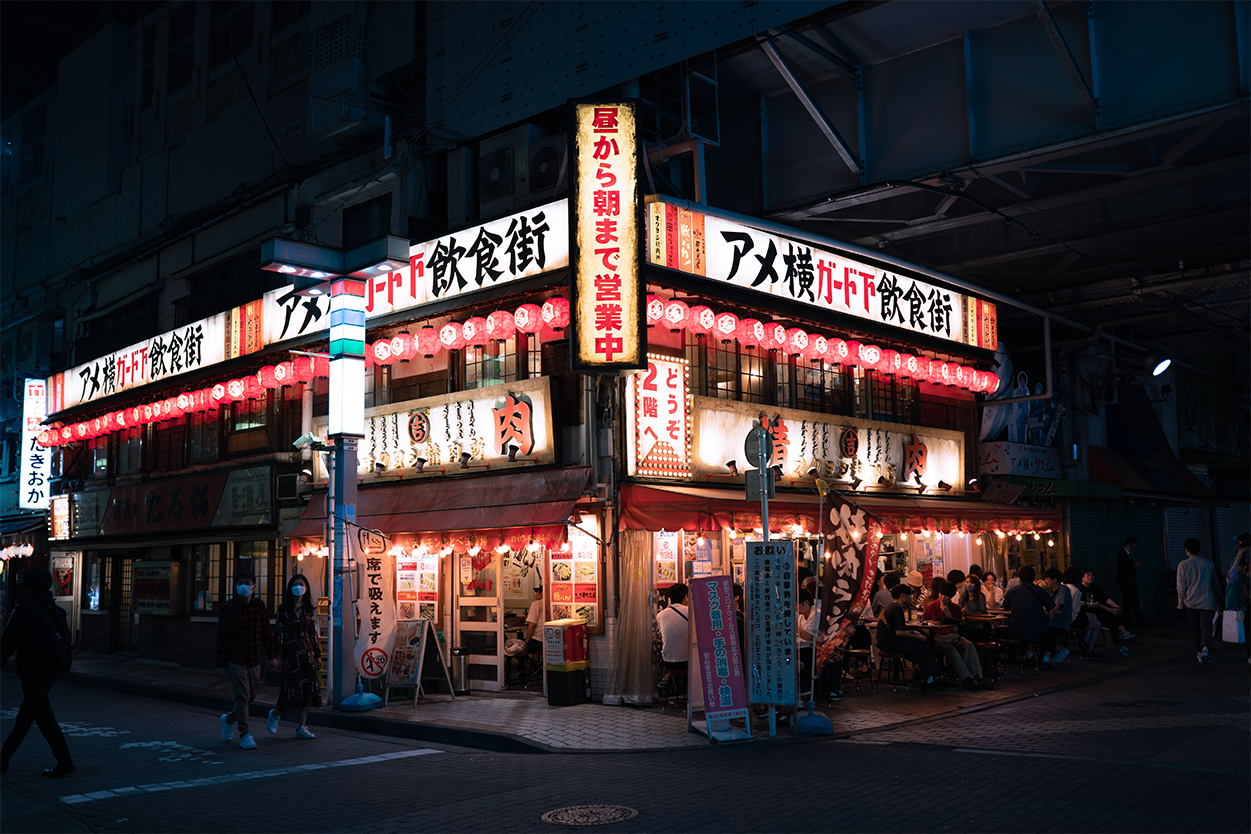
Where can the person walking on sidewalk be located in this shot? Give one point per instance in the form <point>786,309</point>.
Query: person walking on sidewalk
<point>299,654</point>
<point>242,629</point>
<point>1239,581</point>
<point>1197,594</point>
<point>27,633</point>
<point>1127,579</point>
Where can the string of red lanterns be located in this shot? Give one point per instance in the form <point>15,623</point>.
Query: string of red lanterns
<point>501,325</point>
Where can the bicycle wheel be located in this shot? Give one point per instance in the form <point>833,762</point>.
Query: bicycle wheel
<point>1165,604</point>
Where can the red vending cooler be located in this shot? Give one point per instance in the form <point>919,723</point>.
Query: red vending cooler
<point>565,654</point>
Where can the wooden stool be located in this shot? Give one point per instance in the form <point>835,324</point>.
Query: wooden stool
<point>858,664</point>
<point>896,670</point>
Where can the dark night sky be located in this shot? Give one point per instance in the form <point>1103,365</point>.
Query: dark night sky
<point>34,36</point>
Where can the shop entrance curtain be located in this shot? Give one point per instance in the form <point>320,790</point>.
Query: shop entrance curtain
<point>632,678</point>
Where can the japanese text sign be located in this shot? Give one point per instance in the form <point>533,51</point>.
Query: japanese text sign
<point>36,461</point>
<point>604,217</point>
<point>771,647</point>
<point>375,600</point>
<point>726,251</point>
<point>1019,459</point>
<point>720,658</point>
<point>660,419</point>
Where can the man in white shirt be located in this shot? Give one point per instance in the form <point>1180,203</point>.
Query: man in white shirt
<point>534,623</point>
<point>1197,595</point>
<point>675,637</point>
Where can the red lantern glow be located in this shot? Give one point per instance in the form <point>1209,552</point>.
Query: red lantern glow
<point>774,336</point>
<point>655,310</point>
<point>528,318</point>
<point>700,320</point>
<point>676,315</point>
<point>796,341</point>
<point>726,327</point>
<point>963,376</point>
<point>185,402</point>
<point>475,331</point>
<point>267,377</point>
<point>305,369</point>
<point>451,336</point>
<point>500,325</point>
<point>839,352</point>
<point>889,363</point>
<point>818,348</point>
<point>321,367</point>
<point>750,333</point>
<point>136,415</point>
<point>381,352</point>
<point>236,390</point>
<point>946,373</point>
<point>120,419</point>
<point>428,341</point>
<point>853,354</point>
<point>218,394</point>
<point>870,356</point>
<point>555,313</point>
<point>284,372</point>
<point>252,387</point>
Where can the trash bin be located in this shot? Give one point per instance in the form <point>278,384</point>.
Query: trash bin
<point>460,671</point>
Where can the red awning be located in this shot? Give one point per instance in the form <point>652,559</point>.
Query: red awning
<point>518,499</point>
<point>701,508</point>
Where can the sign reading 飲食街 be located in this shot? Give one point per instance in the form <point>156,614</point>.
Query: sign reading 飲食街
<point>36,461</point>
<point>660,427</point>
<point>606,285</point>
<point>826,278</point>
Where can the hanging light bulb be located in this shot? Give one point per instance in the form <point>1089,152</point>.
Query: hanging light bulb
<point>999,533</point>
<point>1018,536</point>
<point>503,548</point>
<point>533,546</point>
<point>880,534</point>
<point>1051,542</point>
<point>796,529</point>
<point>960,533</point>
<point>978,540</point>
<point>903,535</point>
<point>474,550</point>
<point>733,532</point>
<point>1036,536</point>
<point>855,534</point>
<point>300,557</point>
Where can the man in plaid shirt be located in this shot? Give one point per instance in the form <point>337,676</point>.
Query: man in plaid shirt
<point>242,628</point>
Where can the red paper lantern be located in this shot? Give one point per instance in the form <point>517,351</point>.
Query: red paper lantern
<point>305,368</point>
<point>839,352</point>
<point>321,367</point>
<point>252,388</point>
<point>44,438</point>
<point>818,348</point>
<point>67,434</point>
<point>404,346</point>
<point>725,326</point>
<point>870,356</point>
<point>381,352</point>
<point>120,419</point>
<point>500,325</point>
<point>136,415</point>
<point>475,331</point>
<point>451,336</point>
<point>267,377</point>
<point>284,372</point>
<point>528,318</point>
<point>185,402</point>
<point>889,363</point>
<point>963,376</point>
<point>218,393</point>
<point>555,313</point>
<point>946,373</point>
<point>700,320</point>
<point>148,412</point>
<point>796,341</point>
<point>853,354</point>
<point>676,315</point>
<point>428,341</point>
<point>80,431</point>
<point>236,389</point>
<point>774,336</point>
<point>750,333</point>
<point>655,310</point>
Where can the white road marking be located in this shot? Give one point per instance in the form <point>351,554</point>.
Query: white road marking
<point>79,798</point>
<point>173,750</point>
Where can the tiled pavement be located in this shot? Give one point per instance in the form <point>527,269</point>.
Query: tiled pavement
<point>524,722</point>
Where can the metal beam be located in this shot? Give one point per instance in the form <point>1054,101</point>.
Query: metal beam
<point>1048,20</point>
<point>814,110</point>
<point>817,51</point>
<point>1242,339</point>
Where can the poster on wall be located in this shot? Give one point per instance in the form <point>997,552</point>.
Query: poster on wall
<point>63,576</point>
<point>586,594</point>
<point>667,545</point>
<point>406,579</point>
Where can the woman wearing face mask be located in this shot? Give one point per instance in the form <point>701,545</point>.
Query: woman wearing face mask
<point>300,654</point>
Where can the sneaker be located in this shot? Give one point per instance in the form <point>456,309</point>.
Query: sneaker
<point>228,731</point>
<point>1124,651</point>
<point>1127,635</point>
<point>60,769</point>
<point>835,696</point>
<point>1061,655</point>
<point>1046,659</point>
<point>1205,660</point>
<point>247,742</point>
<point>271,723</point>
<point>304,732</point>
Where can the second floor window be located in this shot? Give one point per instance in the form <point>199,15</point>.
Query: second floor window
<point>248,414</point>
<point>230,30</point>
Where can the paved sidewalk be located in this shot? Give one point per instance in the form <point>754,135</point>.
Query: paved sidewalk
<point>521,722</point>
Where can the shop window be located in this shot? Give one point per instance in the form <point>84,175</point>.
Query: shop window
<point>819,387</point>
<point>202,435</point>
<point>753,371</point>
<point>209,572</point>
<point>861,393</point>
<point>130,450</point>
<point>736,374</point>
<point>99,457</point>
<point>181,46</point>
<point>96,581</point>
<point>722,371</point>
<point>169,439</point>
<point>248,414</point>
<point>261,559</point>
<point>493,363</point>
<point>534,356</point>
<point>784,372</point>
<point>893,400</point>
<point>230,29</point>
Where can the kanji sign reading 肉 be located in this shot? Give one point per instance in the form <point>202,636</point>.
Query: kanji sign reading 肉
<point>661,418</point>
<point>604,241</point>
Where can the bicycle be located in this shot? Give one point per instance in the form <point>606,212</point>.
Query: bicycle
<point>1165,601</point>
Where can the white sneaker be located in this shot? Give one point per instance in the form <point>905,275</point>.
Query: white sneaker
<point>304,732</point>
<point>247,742</point>
<point>271,723</point>
<point>228,732</point>
<point>1199,656</point>
<point>1060,656</point>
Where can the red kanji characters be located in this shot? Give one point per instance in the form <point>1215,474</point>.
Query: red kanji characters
<point>606,230</point>
<point>604,120</point>
<point>609,346</point>
<point>607,203</point>
<point>650,408</point>
<point>608,317</point>
<point>512,422</point>
<point>605,148</point>
<point>607,287</point>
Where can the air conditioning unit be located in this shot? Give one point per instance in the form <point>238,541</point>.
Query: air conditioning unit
<point>503,171</point>
<point>288,487</point>
<point>546,159</point>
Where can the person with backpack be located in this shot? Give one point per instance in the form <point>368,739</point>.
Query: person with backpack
<point>38,632</point>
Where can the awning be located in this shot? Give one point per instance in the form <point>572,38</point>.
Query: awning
<point>18,526</point>
<point>664,507</point>
<point>518,499</point>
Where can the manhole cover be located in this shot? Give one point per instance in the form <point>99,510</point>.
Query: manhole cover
<point>590,815</point>
<point>481,758</point>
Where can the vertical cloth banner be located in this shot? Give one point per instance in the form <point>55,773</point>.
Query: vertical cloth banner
<point>375,603</point>
<point>771,621</point>
<point>846,577</point>
<point>720,661</point>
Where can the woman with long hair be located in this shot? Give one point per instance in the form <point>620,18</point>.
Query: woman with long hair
<point>299,652</point>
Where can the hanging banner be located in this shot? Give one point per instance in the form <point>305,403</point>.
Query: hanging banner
<point>36,461</point>
<point>847,576</point>
<point>660,424</point>
<point>720,657</point>
<point>604,241</point>
<point>771,622</point>
<point>375,600</point>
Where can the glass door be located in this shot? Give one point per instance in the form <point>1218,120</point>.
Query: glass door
<point>479,623</point>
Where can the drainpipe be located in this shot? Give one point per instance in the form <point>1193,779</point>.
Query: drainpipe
<point>306,418</point>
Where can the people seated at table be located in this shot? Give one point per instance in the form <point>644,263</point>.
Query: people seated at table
<point>674,623</point>
<point>1094,597</point>
<point>916,582</point>
<point>957,578</point>
<point>1061,616</point>
<point>990,587</point>
<point>975,570</point>
<point>1027,606</point>
<point>806,614</point>
<point>882,598</point>
<point>961,654</point>
<point>1085,621</point>
<point>973,599</point>
<point>894,636</point>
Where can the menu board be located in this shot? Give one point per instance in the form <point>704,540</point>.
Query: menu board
<point>668,565</point>
<point>574,578</point>
<point>770,601</point>
<point>417,588</point>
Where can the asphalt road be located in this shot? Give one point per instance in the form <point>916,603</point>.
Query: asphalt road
<point>1164,749</point>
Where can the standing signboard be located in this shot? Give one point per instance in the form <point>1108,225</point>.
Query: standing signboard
<point>720,673</point>
<point>771,622</point>
<point>415,657</point>
<point>375,603</point>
